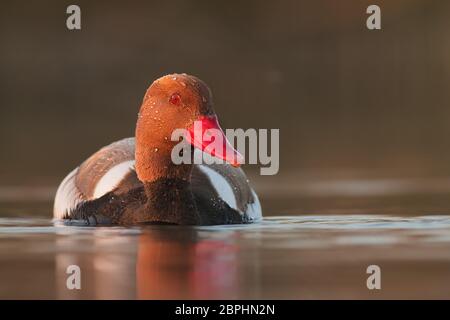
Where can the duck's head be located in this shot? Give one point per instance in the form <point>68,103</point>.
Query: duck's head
<point>176,101</point>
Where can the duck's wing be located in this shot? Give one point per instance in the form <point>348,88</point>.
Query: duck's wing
<point>111,169</point>
<point>216,186</point>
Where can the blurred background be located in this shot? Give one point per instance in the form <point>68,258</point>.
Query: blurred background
<point>350,103</point>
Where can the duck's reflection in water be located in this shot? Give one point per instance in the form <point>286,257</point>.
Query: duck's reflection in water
<point>107,263</point>
<point>159,263</point>
<point>178,264</point>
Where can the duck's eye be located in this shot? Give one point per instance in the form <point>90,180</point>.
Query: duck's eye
<point>175,99</point>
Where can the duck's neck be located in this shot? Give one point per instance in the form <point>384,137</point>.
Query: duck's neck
<point>167,186</point>
<point>155,163</point>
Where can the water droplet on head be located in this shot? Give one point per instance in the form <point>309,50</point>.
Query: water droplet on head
<point>204,99</point>
<point>156,149</point>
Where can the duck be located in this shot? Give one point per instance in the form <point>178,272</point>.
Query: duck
<point>135,181</point>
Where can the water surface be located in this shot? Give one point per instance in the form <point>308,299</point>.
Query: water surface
<point>289,257</point>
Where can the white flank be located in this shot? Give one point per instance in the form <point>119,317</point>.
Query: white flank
<point>112,178</point>
<point>221,186</point>
<point>254,209</point>
<point>67,197</point>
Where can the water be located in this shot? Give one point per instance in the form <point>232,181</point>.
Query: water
<point>291,257</point>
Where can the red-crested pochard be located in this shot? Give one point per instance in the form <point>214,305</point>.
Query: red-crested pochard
<point>134,180</point>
